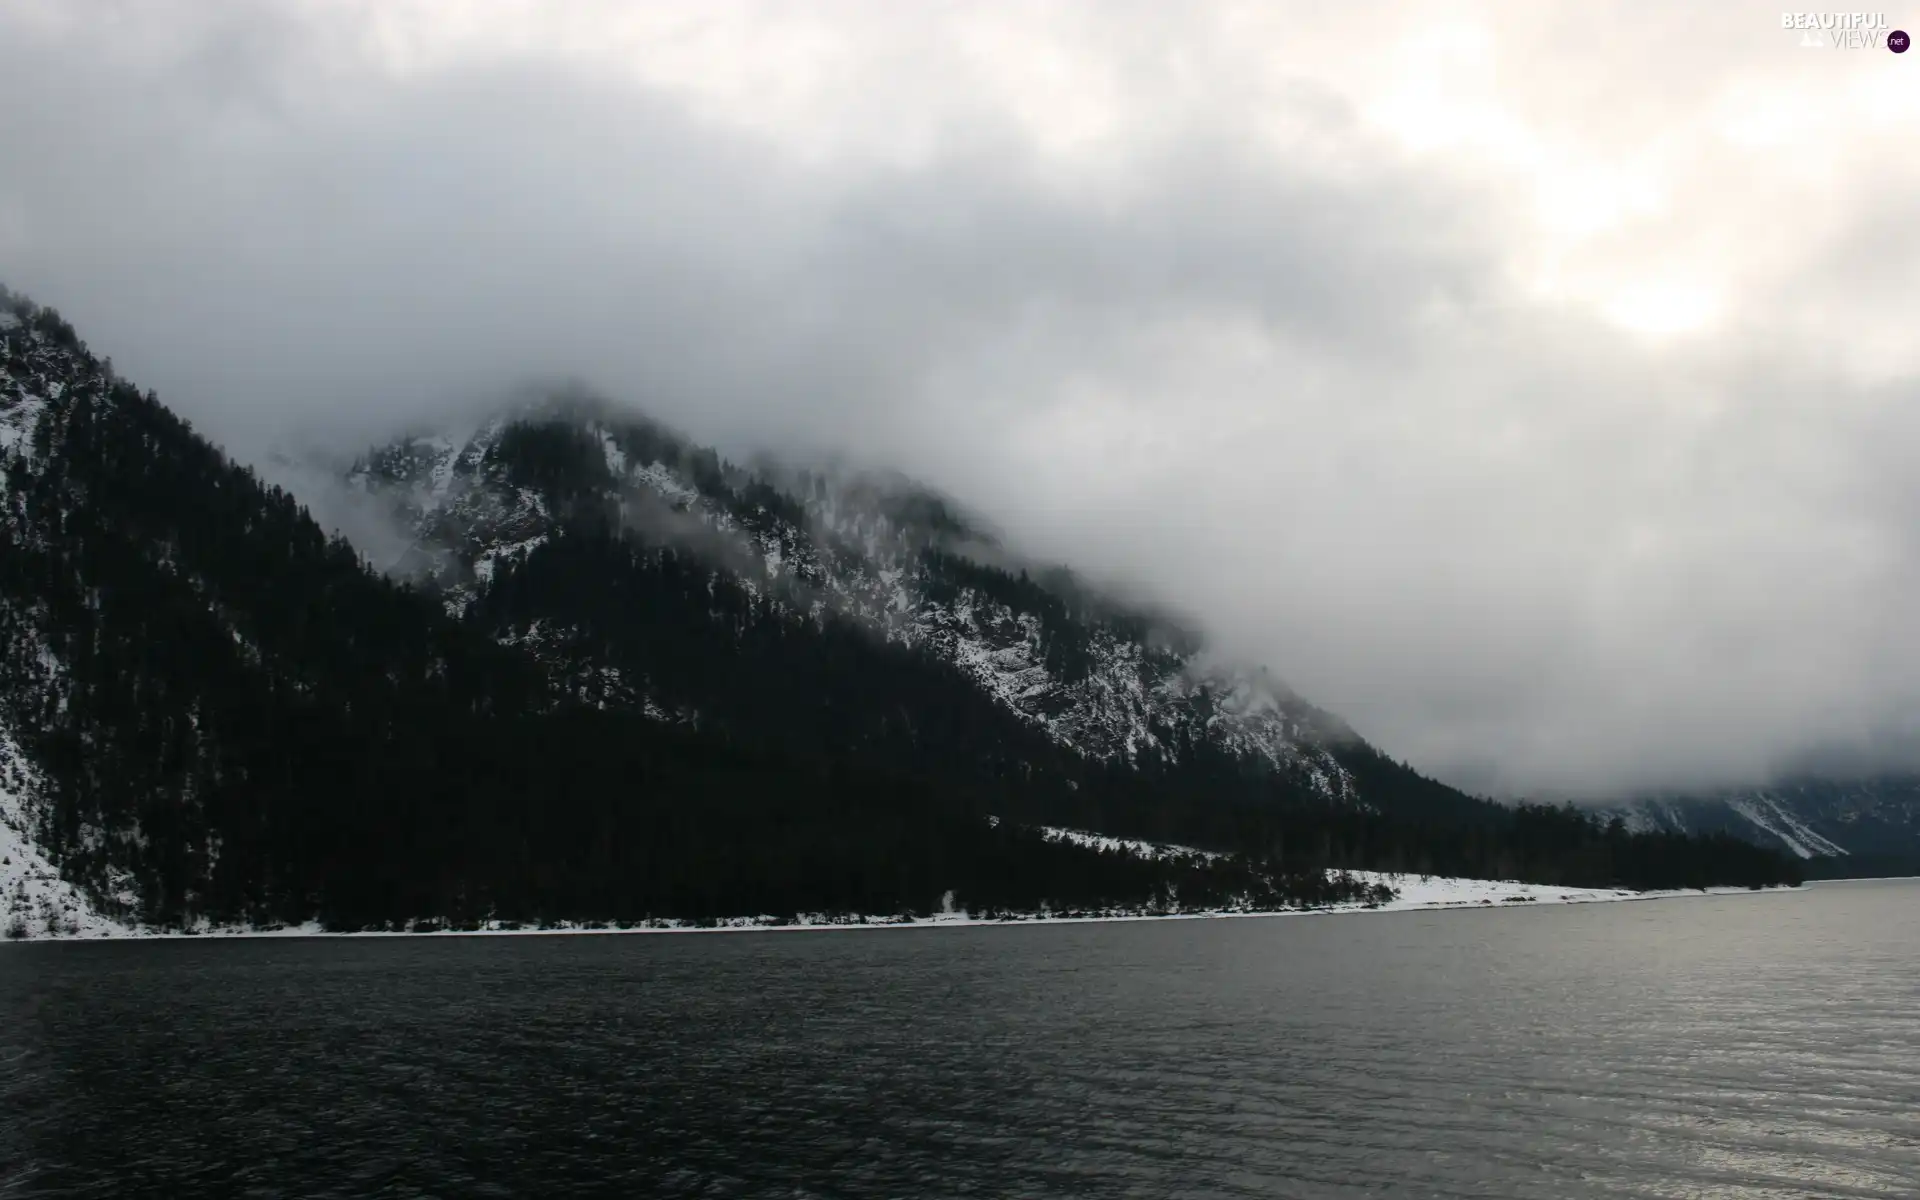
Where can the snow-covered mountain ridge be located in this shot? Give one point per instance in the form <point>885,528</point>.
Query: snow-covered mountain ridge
<point>1876,817</point>
<point>1096,677</point>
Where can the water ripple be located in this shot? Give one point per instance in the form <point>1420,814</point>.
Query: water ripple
<point>1740,1047</point>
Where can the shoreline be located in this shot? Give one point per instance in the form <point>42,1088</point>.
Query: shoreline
<point>1436,895</point>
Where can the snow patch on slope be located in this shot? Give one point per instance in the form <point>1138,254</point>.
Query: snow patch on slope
<point>1767,814</point>
<point>1650,816</point>
<point>616,457</point>
<point>34,901</point>
<point>1801,830</point>
<point>17,420</point>
<point>484,564</point>
<point>1435,891</point>
<point>1139,849</point>
<point>662,480</point>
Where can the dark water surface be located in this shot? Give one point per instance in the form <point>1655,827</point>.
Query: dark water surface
<point>1745,1046</point>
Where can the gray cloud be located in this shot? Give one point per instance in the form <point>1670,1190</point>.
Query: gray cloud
<point>1220,305</point>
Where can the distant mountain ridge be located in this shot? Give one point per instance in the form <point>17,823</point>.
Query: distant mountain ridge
<point>1867,825</point>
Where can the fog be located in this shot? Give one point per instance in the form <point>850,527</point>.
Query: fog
<point>1535,388</point>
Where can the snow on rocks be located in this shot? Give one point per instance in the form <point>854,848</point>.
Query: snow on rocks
<point>34,901</point>
<point>17,420</point>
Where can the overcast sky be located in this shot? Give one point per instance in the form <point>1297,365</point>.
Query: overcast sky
<point>1536,385</point>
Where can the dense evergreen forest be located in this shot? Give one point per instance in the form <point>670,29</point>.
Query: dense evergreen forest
<point>237,720</point>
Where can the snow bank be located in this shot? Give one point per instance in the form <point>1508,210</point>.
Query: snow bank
<point>36,903</point>
<point>1414,893</point>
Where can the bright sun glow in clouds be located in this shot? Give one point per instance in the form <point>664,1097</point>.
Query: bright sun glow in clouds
<point>1662,308</point>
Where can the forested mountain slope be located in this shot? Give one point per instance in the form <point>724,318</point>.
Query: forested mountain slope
<point>574,529</point>
<point>635,682</point>
<point>649,573</point>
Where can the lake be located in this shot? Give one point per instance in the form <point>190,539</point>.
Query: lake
<point>1731,1046</point>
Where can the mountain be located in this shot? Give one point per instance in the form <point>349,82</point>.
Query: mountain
<point>606,545</point>
<point>623,680</point>
<point>546,525</point>
<point>1844,826</point>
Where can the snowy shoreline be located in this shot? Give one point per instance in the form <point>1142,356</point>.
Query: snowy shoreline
<point>1415,895</point>
<point>37,905</point>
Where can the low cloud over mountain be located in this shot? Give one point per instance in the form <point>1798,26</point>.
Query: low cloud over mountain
<point>1558,454</point>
